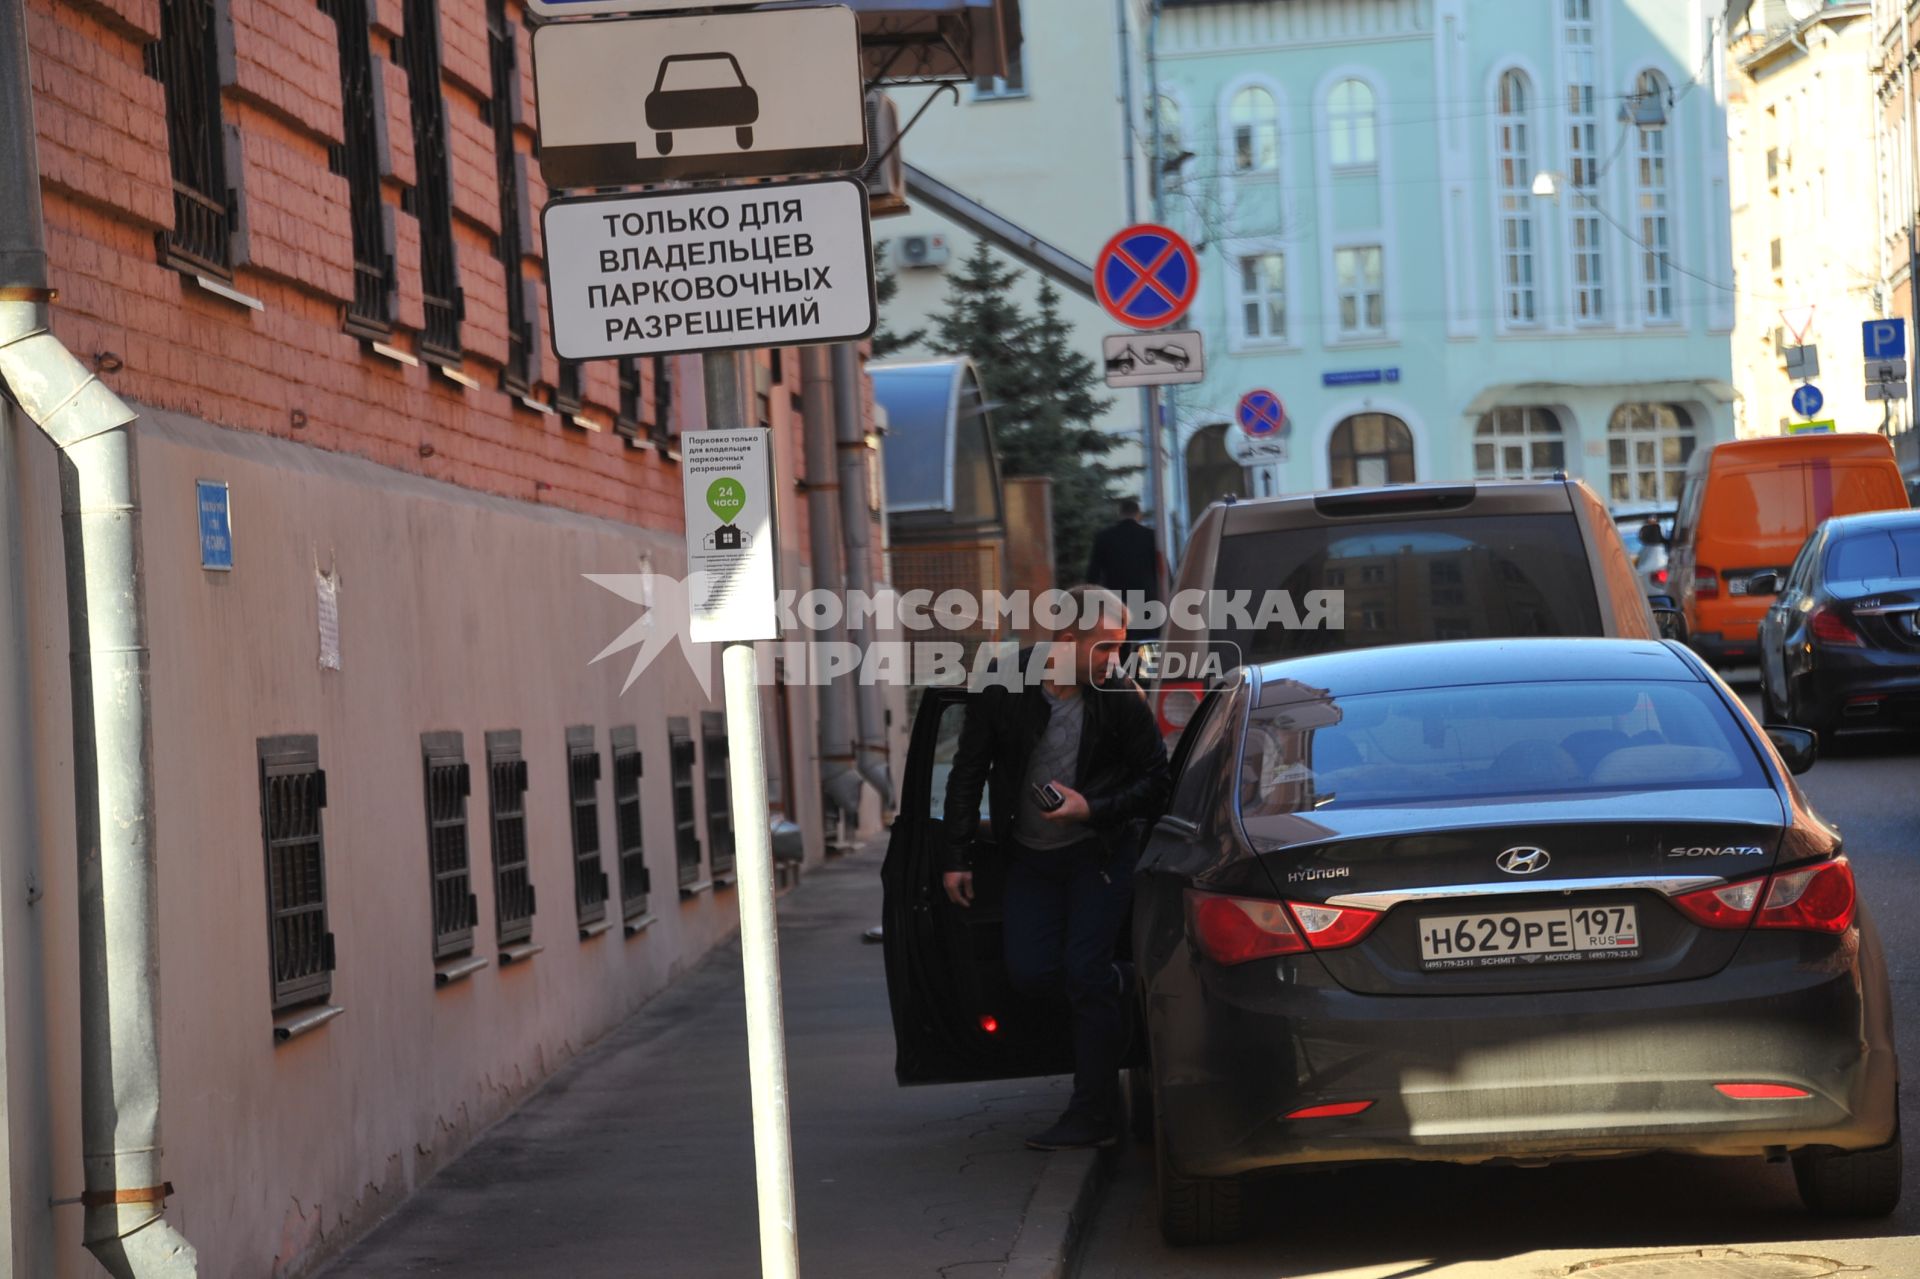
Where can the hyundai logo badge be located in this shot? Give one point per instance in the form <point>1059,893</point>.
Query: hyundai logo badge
<point>1523,860</point>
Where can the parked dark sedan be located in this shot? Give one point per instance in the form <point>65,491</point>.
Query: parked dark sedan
<point>1840,647</point>
<point>1489,900</point>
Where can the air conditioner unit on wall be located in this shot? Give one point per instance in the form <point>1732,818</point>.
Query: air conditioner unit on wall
<point>921,251</point>
<point>886,171</point>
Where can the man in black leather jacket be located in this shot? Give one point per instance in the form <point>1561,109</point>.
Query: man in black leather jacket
<point>1069,872</point>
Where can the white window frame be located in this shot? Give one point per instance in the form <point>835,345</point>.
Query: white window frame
<point>1660,469</point>
<point>1580,81</point>
<point>1351,125</point>
<point>1513,206</point>
<point>1231,125</point>
<point>1362,331</point>
<point>1538,424</point>
<point>1657,282</point>
<point>1234,251</point>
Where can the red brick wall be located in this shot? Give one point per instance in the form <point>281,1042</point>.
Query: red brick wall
<point>290,369</point>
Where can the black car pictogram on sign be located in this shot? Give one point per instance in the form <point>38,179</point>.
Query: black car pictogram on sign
<point>698,106</point>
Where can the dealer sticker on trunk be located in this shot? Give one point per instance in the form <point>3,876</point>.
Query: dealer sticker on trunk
<point>1529,937</point>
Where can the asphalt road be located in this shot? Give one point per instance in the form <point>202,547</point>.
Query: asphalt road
<point>1662,1217</point>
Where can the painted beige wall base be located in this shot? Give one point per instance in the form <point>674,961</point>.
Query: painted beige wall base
<point>457,611</point>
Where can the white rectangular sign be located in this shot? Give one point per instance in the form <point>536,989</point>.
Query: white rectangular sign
<point>678,272</point>
<point>1803,362</point>
<point>1887,371</point>
<point>1153,359</point>
<point>581,8</point>
<point>727,484</point>
<point>1886,390</point>
<point>1250,450</point>
<point>718,95</point>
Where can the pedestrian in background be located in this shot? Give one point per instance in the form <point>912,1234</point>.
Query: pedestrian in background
<point>1125,559</point>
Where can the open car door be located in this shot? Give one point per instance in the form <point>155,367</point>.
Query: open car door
<point>955,1016</point>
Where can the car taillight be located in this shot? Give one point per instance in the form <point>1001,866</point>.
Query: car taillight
<point>1762,1092</point>
<point>1729,906</point>
<point>1331,927</point>
<point>1660,576</point>
<point>1830,628</point>
<point>1819,899</point>
<point>1235,930</point>
<point>1705,585</point>
<point>1177,702</point>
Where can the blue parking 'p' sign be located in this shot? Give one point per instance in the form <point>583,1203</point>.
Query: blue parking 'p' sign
<point>1146,276</point>
<point>1884,340</point>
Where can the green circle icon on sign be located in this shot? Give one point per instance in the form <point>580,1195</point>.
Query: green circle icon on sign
<point>727,498</point>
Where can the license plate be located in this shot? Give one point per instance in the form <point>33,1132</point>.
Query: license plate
<point>1529,937</point>
<point>1736,586</point>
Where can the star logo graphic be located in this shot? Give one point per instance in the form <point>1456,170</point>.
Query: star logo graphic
<point>663,623</point>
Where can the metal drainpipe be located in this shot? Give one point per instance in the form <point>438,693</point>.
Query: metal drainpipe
<point>856,523</point>
<point>839,776</point>
<point>125,1194</point>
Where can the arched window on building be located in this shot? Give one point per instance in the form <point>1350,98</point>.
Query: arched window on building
<point>1368,449</point>
<point>1651,200</point>
<point>1350,124</point>
<point>1648,446</point>
<point>1513,164</point>
<point>1211,471</point>
<point>1256,131</point>
<point>1523,443</point>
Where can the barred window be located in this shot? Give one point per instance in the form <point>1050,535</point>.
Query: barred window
<point>635,880</point>
<point>662,399</point>
<point>449,782</point>
<point>513,900</point>
<point>432,196</point>
<point>503,113</point>
<point>566,387</point>
<point>713,745</point>
<point>186,60</point>
<point>293,790</point>
<point>357,159</point>
<point>583,794</point>
<point>686,838</point>
<point>627,421</point>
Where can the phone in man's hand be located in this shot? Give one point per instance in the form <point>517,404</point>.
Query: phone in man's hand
<point>1048,797</point>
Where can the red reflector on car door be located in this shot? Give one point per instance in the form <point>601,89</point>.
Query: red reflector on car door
<point>1332,1110</point>
<point>1761,1092</point>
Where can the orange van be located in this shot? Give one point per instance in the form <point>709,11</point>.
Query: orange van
<point>1746,508</point>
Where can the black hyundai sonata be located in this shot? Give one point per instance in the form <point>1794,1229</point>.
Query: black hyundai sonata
<point>1493,900</point>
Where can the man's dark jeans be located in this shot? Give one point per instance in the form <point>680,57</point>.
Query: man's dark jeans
<point>1063,911</point>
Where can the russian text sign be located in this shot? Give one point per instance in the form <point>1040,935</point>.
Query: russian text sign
<point>727,484</point>
<point>718,95</point>
<point>680,272</point>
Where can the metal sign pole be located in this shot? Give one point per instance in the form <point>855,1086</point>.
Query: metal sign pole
<point>728,398</point>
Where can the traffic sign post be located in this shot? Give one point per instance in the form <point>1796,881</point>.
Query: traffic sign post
<point>696,271</point>
<point>1803,362</point>
<point>1158,359</point>
<point>1146,276</point>
<point>775,93</point>
<point>1807,400</point>
<point>1884,340</point>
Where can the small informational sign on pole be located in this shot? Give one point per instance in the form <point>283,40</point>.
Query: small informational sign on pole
<point>727,484</point>
<point>216,526</point>
<point>697,271</point>
<point>1803,362</point>
<point>1153,359</point>
<point>774,93</point>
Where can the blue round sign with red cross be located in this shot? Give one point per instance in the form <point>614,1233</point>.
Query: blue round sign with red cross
<point>1260,414</point>
<point>1146,276</point>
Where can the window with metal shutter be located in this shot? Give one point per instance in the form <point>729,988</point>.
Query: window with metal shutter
<point>686,838</point>
<point>293,790</point>
<point>635,880</point>
<point>583,792</point>
<point>713,743</point>
<point>513,897</point>
<point>449,782</point>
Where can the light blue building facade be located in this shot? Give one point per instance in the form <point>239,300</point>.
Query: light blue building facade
<point>1458,238</point>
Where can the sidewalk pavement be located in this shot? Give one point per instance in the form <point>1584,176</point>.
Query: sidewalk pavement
<point>637,1158</point>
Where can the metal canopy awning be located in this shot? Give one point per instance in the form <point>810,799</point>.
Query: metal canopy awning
<point>923,41</point>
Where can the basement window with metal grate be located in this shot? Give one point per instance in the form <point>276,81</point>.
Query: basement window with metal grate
<point>186,61</point>
<point>686,838</point>
<point>513,897</point>
<point>635,879</point>
<point>449,782</point>
<point>713,744</point>
<point>293,790</point>
<point>590,889</point>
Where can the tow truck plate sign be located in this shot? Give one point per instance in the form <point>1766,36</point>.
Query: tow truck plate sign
<point>680,272</point>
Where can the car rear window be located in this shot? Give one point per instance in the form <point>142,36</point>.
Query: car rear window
<point>1467,577</point>
<point>1875,553</point>
<point>1504,740</point>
